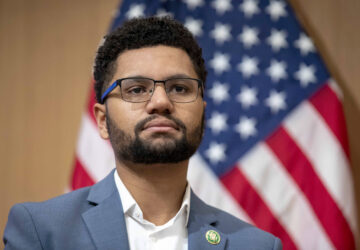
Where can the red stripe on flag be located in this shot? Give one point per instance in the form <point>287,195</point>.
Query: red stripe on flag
<point>301,170</point>
<point>248,198</point>
<point>80,177</point>
<point>330,108</point>
<point>91,102</point>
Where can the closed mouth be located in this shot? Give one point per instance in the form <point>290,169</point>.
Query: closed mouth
<point>161,125</point>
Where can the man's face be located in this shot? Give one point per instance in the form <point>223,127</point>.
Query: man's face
<point>156,131</point>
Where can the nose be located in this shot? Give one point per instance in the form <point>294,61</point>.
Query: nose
<point>159,102</point>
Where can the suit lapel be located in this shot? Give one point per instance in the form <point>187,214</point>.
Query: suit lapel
<point>201,220</point>
<point>105,221</point>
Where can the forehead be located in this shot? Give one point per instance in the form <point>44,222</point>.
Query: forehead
<point>156,62</point>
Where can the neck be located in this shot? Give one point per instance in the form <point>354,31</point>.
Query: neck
<point>157,188</point>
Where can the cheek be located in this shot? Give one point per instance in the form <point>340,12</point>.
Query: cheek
<point>125,124</point>
<point>124,117</point>
<point>192,117</point>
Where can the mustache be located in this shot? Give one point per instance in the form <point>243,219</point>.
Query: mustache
<point>140,125</point>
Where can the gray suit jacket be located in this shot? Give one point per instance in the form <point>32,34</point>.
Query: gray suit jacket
<point>92,218</point>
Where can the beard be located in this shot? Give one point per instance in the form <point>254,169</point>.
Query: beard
<point>170,150</point>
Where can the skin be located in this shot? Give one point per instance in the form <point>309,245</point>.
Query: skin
<point>157,188</point>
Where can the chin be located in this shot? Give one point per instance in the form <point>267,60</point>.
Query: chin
<point>160,143</point>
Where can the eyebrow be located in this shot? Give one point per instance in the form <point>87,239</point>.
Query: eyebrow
<point>168,77</point>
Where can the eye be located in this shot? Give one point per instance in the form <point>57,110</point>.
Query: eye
<point>179,86</point>
<point>179,89</point>
<point>136,86</point>
<point>136,90</point>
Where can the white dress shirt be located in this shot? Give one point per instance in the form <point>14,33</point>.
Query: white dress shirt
<point>144,235</point>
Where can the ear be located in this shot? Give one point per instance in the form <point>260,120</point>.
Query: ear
<point>100,116</point>
<point>205,104</point>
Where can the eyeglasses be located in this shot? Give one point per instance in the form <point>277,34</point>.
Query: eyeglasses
<point>140,89</point>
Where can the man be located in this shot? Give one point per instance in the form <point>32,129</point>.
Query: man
<point>150,79</point>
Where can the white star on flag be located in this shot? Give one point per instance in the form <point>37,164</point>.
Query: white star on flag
<point>222,6</point>
<point>246,127</point>
<point>249,7</point>
<point>193,4</point>
<point>276,101</point>
<point>249,37</point>
<point>221,33</point>
<point>217,122</point>
<point>306,74</point>
<point>277,39</point>
<point>219,92</point>
<point>304,44</point>
<point>276,71</point>
<point>216,152</point>
<point>220,63</point>
<point>194,25</point>
<point>248,66</point>
<point>135,10</point>
<point>162,13</point>
<point>247,97</point>
<point>276,9</point>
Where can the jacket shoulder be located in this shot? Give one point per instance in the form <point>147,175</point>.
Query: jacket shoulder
<point>66,202</point>
<point>30,223</point>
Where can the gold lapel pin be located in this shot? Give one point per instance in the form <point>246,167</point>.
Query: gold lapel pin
<point>212,237</point>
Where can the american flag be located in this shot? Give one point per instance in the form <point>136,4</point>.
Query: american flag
<point>275,151</point>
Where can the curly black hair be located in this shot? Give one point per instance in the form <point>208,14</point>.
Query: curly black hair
<point>139,33</point>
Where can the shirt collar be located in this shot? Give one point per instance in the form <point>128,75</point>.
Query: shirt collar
<point>132,209</point>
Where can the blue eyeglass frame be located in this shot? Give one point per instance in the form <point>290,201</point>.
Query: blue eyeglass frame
<point>118,82</point>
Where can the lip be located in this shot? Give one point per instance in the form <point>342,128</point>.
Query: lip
<point>160,126</point>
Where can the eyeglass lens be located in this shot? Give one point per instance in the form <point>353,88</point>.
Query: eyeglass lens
<point>177,89</point>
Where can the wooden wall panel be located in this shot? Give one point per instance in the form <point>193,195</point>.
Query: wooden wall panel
<point>46,53</point>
